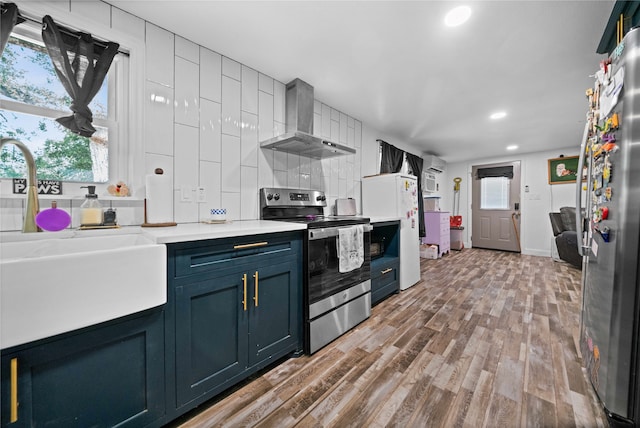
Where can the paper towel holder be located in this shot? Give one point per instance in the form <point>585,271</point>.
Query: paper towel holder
<point>157,171</point>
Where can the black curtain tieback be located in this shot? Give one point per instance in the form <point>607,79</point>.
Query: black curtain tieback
<point>81,67</point>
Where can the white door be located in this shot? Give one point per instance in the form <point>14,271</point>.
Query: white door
<point>495,206</point>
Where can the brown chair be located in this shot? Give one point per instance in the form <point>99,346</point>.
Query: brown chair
<point>564,229</point>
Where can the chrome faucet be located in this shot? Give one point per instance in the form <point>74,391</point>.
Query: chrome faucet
<point>32,193</point>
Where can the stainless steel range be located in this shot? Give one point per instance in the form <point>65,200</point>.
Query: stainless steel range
<point>337,292</point>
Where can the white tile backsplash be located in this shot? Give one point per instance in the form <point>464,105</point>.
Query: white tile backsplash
<point>249,193</point>
<point>188,50</point>
<point>335,130</point>
<point>159,111</point>
<point>249,90</point>
<point>343,128</point>
<point>99,11</point>
<point>127,23</point>
<point>265,116</point>
<point>326,121</point>
<point>231,106</point>
<point>249,140</point>
<point>186,160</point>
<point>210,179</point>
<point>265,83</point>
<point>159,55</point>
<point>231,68</point>
<point>210,130</point>
<point>279,102</point>
<point>231,201</point>
<point>187,93</point>
<point>280,179</point>
<point>210,75</point>
<point>279,160</point>
<point>265,168</point>
<point>230,163</point>
<point>351,136</point>
<point>204,117</point>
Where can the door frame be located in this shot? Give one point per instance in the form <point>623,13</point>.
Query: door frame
<point>517,164</point>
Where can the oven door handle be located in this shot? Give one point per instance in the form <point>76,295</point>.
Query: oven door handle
<point>328,232</point>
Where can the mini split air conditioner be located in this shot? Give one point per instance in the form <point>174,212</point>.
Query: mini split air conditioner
<point>433,163</point>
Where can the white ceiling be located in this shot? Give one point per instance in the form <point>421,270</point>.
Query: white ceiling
<point>396,67</point>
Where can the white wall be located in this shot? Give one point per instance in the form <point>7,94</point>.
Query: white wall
<point>536,235</point>
<point>201,118</point>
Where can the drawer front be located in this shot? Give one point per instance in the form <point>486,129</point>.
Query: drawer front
<point>206,256</point>
<point>444,219</point>
<point>385,276</point>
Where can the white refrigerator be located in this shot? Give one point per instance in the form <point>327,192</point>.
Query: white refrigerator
<point>396,195</point>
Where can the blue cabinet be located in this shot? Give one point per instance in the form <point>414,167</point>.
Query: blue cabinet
<point>385,265</point>
<point>103,376</point>
<point>235,306</point>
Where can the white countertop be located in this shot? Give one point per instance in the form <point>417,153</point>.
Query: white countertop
<point>202,231</point>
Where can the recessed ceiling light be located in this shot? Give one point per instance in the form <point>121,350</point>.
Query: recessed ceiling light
<point>498,115</point>
<point>457,16</point>
<point>512,147</point>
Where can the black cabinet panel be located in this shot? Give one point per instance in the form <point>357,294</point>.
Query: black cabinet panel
<point>235,305</point>
<point>385,269</point>
<point>210,324</point>
<point>97,377</point>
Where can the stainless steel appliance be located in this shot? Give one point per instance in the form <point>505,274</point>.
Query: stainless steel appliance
<point>610,321</point>
<point>299,138</point>
<point>335,301</point>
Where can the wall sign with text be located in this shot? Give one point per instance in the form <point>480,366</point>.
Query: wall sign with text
<point>45,187</point>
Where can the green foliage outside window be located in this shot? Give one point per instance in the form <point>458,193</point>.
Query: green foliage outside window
<point>27,77</point>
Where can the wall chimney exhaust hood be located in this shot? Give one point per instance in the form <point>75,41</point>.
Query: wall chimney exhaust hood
<point>299,138</point>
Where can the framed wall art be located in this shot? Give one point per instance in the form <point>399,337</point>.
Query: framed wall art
<point>563,170</point>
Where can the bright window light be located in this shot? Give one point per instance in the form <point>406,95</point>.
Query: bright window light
<point>457,16</point>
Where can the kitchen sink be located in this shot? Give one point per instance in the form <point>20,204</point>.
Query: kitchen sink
<point>52,286</point>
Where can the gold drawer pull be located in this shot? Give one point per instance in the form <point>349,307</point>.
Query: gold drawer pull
<point>386,271</point>
<point>13,417</point>
<point>244,293</point>
<point>255,297</point>
<point>255,244</point>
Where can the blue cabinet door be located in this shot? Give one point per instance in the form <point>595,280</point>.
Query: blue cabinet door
<point>106,376</point>
<point>276,315</point>
<point>211,331</point>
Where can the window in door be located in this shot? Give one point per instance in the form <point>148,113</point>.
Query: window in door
<point>494,193</point>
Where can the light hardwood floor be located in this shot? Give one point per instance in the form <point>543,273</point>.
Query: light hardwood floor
<point>486,339</point>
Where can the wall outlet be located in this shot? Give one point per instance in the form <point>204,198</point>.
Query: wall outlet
<point>201,193</point>
<point>186,194</point>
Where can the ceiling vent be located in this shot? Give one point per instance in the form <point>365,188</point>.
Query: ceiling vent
<point>433,164</point>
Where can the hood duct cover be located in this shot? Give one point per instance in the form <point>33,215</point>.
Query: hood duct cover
<point>299,138</point>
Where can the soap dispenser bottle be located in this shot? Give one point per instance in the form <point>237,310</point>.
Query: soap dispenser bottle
<point>90,210</point>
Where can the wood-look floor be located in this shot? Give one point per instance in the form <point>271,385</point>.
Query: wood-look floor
<point>486,339</point>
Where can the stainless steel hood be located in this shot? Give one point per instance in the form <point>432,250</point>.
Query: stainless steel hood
<point>299,138</point>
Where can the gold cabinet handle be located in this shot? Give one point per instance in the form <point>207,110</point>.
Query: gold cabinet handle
<point>13,417</point>
<point>386,271</point>
<point>255,297</point>
<point>244,292</point>
<point>255,244</point>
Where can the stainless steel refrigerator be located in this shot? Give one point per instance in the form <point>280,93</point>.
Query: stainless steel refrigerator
<point>610,159</point>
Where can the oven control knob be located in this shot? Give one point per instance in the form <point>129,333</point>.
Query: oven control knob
<point>269,196</point>
<point>321,198</point>
<point>276,196</point>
